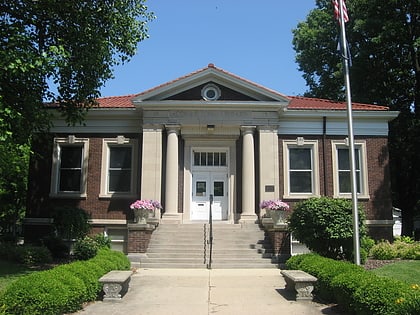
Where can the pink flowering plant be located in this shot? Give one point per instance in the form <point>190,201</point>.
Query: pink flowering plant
<point>274,204</point>
<point>146,205</point>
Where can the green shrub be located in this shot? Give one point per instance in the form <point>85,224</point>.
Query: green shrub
<point>25,254</point>
<point>44,293</point>
<point>102,240</point>
<point>70,222</point>
<point>359,291</point>
<point>85,248</point>
<point>325,226</point>
<point>62,289</point>
<point>380,295</point>
<point>383,251</point>
<point>57,247</point>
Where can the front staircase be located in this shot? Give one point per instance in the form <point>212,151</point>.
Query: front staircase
<point>187,246</point>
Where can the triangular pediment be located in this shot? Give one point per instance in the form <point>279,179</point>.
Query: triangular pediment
<point>229,86</point>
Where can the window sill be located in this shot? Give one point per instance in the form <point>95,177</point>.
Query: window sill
<point>118,196</point>
<point>68,195</point>
<point>300,196</point>
<point>349,196</point>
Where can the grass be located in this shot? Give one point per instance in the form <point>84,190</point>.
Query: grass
<point>9,272</point>
<point>404,270</point>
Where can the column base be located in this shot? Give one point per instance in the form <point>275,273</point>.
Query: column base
<point>171,218</point>
<point>248,219</point>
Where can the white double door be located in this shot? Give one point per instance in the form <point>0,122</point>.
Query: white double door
<point>206,184</point>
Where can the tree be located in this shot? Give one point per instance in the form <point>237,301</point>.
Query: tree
<point>384,39</point>
<point>70,45</point>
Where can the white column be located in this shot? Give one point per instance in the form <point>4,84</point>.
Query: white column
<point>248,175</point>
<point>171,185</point>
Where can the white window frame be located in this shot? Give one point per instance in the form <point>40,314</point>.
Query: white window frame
<point>107,143</point>
<point>364,184</point>
<point>300,142</point>
<point>71,140</point>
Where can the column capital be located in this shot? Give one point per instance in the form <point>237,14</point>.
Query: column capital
<point>247,129</point>
<point>173,128</point>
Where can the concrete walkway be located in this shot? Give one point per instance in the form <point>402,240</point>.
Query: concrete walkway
<point>203,292</point>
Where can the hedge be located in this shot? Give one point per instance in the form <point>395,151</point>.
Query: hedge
<point>358,291</point>
<point>62,289</point>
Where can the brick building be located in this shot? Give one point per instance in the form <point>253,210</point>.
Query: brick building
<point>208,133</point>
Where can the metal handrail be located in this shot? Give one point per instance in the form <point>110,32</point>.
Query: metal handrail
<point>210,233</point>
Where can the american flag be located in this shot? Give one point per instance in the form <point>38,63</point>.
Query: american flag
<point>336,5</point>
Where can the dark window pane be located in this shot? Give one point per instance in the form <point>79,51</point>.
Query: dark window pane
<point>120,180</point>
<point>343,159</point>
<point>71,157</point>
<point>203,159</point>
<point>345,183</point>
<point>196,158</point>
<point>218,189</point>
<point>200,189</point>
<point>70,180</point>
<point>222,159</point>
<point>300,182</point>
<point>120,157</point>
<point>300,159</point>
<point>217,159</point>
<point>210,159</point>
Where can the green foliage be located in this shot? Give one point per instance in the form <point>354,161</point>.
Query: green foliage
<point>324,225</point>
<point>25,254</point>
<point>102,240</point>
<point>357,290</point>
<point>85,248</point>
<point>388,76</point>
<point>57,247</point>
<point>62,289</point>
<point>70,222</point>
<point>71,46</point>
<point>399,249</point>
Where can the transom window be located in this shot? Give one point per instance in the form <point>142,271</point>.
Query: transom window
<point>210,159</point>
<point>300,158</point>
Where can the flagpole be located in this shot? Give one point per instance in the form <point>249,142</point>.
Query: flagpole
<point>346,58</point>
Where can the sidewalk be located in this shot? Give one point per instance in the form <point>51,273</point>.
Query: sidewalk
<point>203,292</point>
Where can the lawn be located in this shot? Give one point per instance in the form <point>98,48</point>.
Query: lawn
<point>11,271</point>
<point>404,270</point>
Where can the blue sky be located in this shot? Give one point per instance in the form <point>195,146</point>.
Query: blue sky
<point>252,39</point>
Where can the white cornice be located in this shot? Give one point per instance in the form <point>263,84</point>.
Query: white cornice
<point>212,105</point>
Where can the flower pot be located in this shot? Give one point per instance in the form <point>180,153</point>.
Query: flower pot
<point>278,216</point>
<point>141,215</point>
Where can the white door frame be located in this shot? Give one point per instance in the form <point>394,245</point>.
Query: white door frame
<point>229,173</point>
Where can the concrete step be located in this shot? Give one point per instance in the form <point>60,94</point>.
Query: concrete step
<point>182,246</point>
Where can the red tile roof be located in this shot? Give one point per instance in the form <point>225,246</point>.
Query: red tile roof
<point>116,101</point>
<point>298,102</point>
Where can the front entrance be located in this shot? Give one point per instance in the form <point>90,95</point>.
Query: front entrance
<point>206,184</point>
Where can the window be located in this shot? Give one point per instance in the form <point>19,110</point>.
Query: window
<point>210,159</point>
<point>119,167</point>
<point>341,169</point>
<point>69,167</point>
<point>300,168</point>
